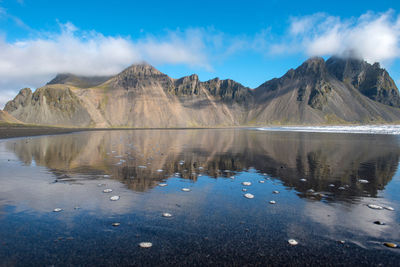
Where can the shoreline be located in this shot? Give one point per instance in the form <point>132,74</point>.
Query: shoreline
<point>21,130</point>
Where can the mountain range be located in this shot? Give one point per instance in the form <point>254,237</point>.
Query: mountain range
<point>335,91</point>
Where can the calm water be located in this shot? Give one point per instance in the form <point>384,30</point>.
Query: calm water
<point>213,224</point>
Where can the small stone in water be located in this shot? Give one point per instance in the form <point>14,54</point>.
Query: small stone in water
<point>232,177</point>
<point>261,181</point>
<point>292,242</point>
<point>77,208</point>
<point>246,183</point>
<point>57,210</point>
<point>375,207</point>
<point>167,215</point>
<point>116,224</point>
<point>379,223</point>
<point>390,245</point>
<point>303,180</point>
<point>162,185</point>
<point>186,189</point>
<point>341,188</point>
<point>275,192</point>
<point>108,190</point>
<point>310,191</point>
<point>388,208</point>
<point>248,195</point>
<point>244,190</point>
<point>100,185</point>
<point>332,185</point>
<point>362,181</point>
<point>341,241</point>
<point>114,198</point>
<point>145,245</point>
<point>272,202</point>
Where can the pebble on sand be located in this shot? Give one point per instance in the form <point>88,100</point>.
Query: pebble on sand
<point>374,207</point>
<point>390,245</point>
<point>57,210</point>
<point>248,195</point>
<point>388,208</point>
<point>167,215</point>
<point>293,242</point>
<point>272,202</point>
<point>162,185</point>
<point>145,245</point>
<point>108,190</point>
<point>186,189</point>
<point>114,198</point>
<point>246,183</point>
<point>116,224</point>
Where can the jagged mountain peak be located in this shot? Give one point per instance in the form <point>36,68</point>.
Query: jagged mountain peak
<point>370,79</point>
<point>142,69</point>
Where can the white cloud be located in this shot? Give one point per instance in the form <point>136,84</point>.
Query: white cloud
<point>374,37</point>
<point>32,62</point>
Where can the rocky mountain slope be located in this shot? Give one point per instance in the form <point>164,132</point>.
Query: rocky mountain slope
<point>317,92</point>
<point>7,118</point>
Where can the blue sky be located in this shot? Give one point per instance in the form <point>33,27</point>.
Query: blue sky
<point>247,41</point>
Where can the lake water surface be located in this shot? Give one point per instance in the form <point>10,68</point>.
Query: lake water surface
<point>322,198</point>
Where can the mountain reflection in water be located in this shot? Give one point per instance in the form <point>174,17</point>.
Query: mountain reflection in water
<point>143,158</point>
<point>321,183</point>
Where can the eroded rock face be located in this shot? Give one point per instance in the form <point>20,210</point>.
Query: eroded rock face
<point>317,92</point>
<point>52,105</point>
<point>371,80</point>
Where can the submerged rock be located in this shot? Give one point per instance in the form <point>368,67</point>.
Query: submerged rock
<point>244,190</point>
<point>114,198</point>
<point>108,190</point>
<point>261,181</point>
<point>390,245</point>
<point>248,195</point>
<point>186,189</point>
<point>246,183</point>
<point>293,242</point>
<point>375,207</point>
<point>272,202</point>
<point>57,210</point>
<point>167,215</point>
<point>145,244</point>
<point>116,224</point>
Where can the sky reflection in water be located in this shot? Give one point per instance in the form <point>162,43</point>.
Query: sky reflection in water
<point>213,223</point>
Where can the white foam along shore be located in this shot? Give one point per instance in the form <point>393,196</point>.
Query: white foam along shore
<point>359,129</point>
